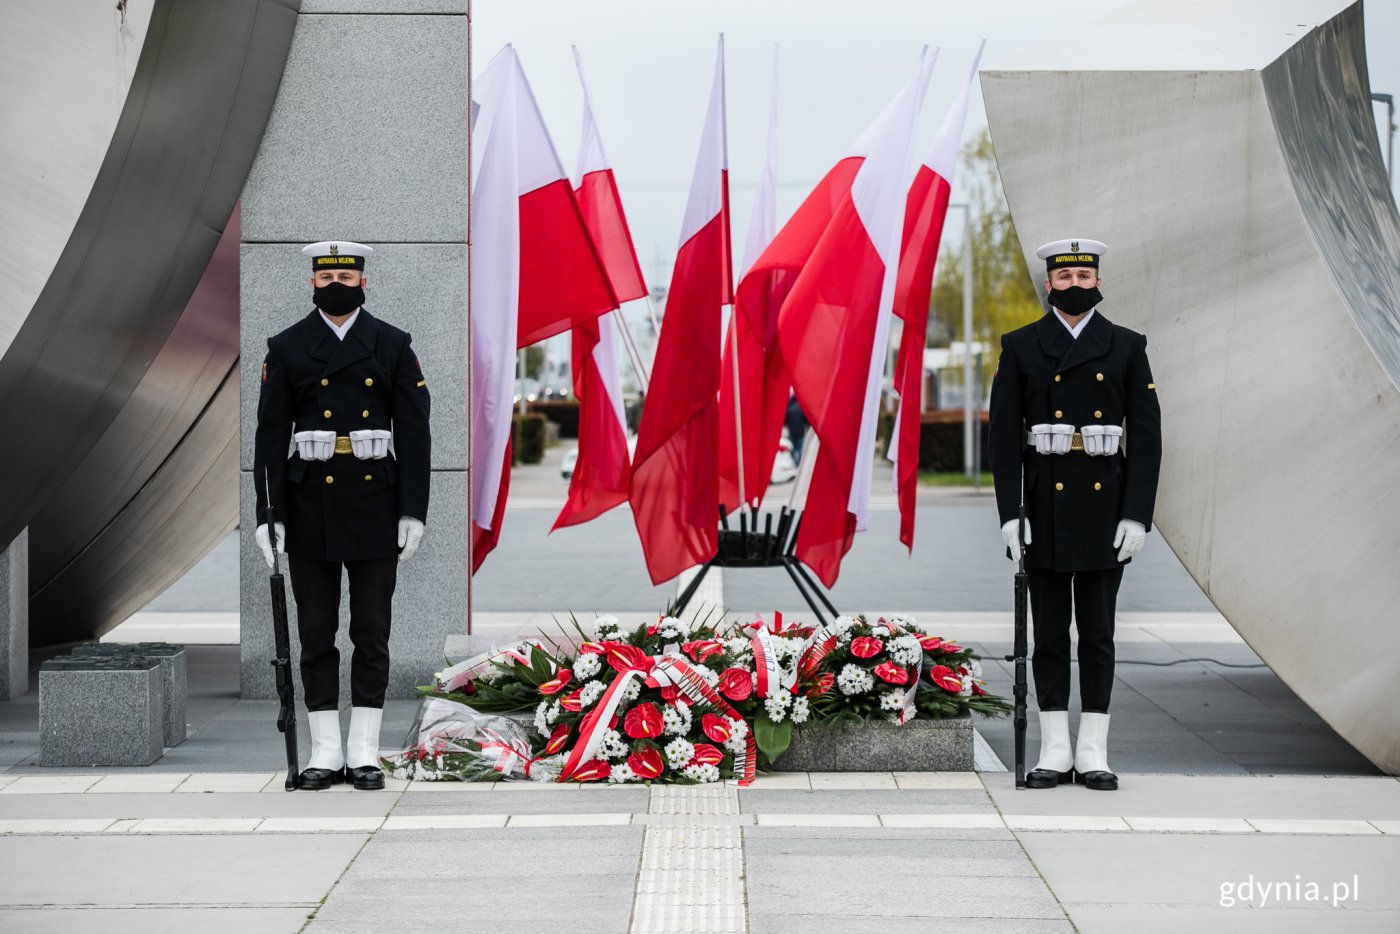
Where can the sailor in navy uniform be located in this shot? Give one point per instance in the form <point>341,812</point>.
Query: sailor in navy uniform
<point>339,389</point>
<point>1074,413</point>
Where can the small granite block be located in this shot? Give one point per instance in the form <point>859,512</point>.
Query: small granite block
<point>100,711</point>
<point>174,682</point>
<point>880,746</point>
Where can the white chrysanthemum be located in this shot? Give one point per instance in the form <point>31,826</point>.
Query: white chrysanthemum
<point>586,666</point>
<point>843,624</point>
<point>800,710</point>
<point>672,627</point>
<point>542,718</point>
<point>903,621</point>
<point>776,708</point>
<point>631,692</point>
<point>738,646</point>
<point>854,679</point>
<point>701,773</point>
<point>966,686</point>
<point>553,713</point>
<point>590,692</point>
<point>892,700</point>
<point>678,752</point>
<point>880,631</point>
<point>675,720</point>
<point>704,671</point>
<point>612,745</point>
<point>620,774</point>
<point>607,626</point>
<point>739,730</point>
<point>904,650</point>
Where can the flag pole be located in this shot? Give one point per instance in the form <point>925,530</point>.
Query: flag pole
<point>470,126</point>
<point>738,409</point>
<point>633,353</point>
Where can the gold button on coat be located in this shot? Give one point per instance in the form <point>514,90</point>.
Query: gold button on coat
<point>365,414</point>
<point>369,381</point>
<point>1098,414</point>
<point>1097,486</point>
<point>1057,377</point>
<point>325,382</point>
<point>1059,486</point>
<point>1059,414</point>
<point>327,413</point>
<point>369,476</point>
<point>330,479</point>
<point>1099,377</point>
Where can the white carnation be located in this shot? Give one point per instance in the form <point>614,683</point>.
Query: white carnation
<point>904,650</point>
<point>678,752</point>
<point>586,666</point>
<point>590,692</point>
<point>854,679</point>
<point>800,710</point>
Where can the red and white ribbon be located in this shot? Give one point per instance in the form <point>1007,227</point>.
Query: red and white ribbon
<point>450,679</point>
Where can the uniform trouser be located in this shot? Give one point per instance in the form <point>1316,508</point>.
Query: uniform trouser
<point>1095,594</point>
<point>316,587</point>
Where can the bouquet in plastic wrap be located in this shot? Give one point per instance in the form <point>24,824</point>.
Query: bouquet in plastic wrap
<point>453,742</point>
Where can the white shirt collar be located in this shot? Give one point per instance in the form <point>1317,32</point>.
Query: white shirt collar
<point>1074,331</point>
<point>341,329</point>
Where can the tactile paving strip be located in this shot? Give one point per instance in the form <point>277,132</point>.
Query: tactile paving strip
<point>692,874</point>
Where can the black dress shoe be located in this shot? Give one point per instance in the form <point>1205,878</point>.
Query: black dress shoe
<point>321,779</point>
<point>1048,778</point>
<point>366,777</point>
<point>1097,780</point>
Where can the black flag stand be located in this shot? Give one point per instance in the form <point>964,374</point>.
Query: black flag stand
<point>282,662</point>
<point>770,548</point>
<point>1018,652</point>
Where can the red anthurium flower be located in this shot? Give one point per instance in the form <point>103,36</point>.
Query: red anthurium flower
<point>642,722</point>
<point>556,684</point>
<point>594,648</point>
<point>736,684</point>
<point>894,674</point>
<point>705,754</point>
<point>866,647</point>
<point>943,676</point>
<point>929,643</point>
<point>622,657</point>
<point>557,739</point>
<point>701,649</point>
<point>653,630</point>
<point>951,647</point>
<point>822,684</point>
<point>646,762</point>
<point>669,693</point>
<point>594,770</point>
<point>716,727</point>
<point>573,701</point>
<point>977,688</point>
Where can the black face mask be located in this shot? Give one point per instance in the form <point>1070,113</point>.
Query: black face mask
<point>1074,300</point>
<point>338,298</point>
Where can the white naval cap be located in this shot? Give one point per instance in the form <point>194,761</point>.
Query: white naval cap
<point>1075,252</point>
<point>337,254</point>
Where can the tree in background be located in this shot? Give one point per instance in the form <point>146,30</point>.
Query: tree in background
<point>1003,294</point>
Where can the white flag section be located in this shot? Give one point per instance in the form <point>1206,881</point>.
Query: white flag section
<point>879,193</point>
<point>763,225</point>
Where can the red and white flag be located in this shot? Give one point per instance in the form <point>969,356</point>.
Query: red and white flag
<point>923,229</point>
<point>834,327</point>
<point>753,327</point>
<point>675,472</point>
<point>535,272</point>
<point>602,472</point>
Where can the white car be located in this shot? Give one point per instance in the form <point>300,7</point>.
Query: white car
<point>784,467</point>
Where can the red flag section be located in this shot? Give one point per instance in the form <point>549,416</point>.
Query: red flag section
<point>924,214</point>
<point>602,472</point>
<point>834,326</point>
<point>535,272</point>
<point>675,473</point>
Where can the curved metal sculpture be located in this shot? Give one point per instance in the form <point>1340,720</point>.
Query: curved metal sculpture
<point>1230,158</point>
<point>120,353</point>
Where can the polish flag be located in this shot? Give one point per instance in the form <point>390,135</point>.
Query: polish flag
<point>834,326</point>
<point>675,473</point>
<point>923,229</point>
<point>753,328</point>
<point>535,272</point>
<point>602,471</point>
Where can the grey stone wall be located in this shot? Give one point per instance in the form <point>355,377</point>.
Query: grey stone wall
<point>368,142</point>
<point>14,617</point>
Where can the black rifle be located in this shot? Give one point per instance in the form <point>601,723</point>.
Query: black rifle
<point>282,663</point>
<point>1018,651</point>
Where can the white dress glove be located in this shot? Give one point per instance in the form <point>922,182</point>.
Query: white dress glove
<point>1008,535</point>
<point>265,543</point>
<point>410,534</point>
<point>1129,538</point>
